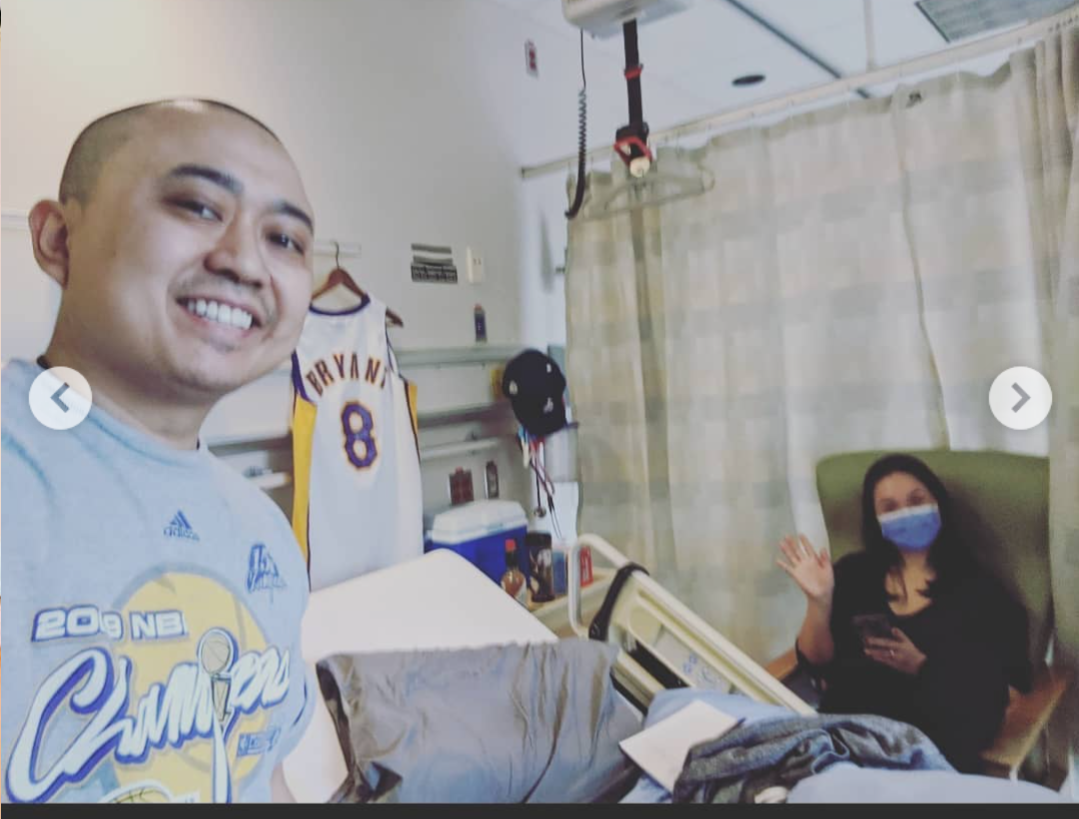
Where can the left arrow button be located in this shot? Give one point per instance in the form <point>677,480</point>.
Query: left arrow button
<point>60,398</point>
<point>56,398</point>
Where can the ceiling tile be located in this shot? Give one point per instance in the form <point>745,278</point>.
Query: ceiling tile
<point>799,18</point>
<point>785,70</point>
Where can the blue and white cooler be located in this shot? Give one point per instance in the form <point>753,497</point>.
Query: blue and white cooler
<point>478,532</point>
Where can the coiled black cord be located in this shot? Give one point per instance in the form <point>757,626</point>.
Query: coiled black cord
<point>582,138</point>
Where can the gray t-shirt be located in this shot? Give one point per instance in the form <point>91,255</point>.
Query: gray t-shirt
<point>152,629</point>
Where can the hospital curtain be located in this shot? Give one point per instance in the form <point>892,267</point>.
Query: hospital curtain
<point>1047,99</point>
<point>854,279</point>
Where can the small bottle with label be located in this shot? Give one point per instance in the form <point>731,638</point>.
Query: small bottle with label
<point>513,581</point>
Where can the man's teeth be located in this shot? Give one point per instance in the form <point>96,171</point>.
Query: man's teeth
<point>221,313</point>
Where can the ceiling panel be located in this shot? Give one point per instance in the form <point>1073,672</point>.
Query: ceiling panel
<point>785,70</point>
<point>705,36</point>
<point>804,16</point>
<point>548,12</point>
<point>903,32</point>
<point>841,44</point>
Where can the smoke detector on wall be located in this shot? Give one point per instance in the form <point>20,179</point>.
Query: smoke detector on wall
<point>604,18</point>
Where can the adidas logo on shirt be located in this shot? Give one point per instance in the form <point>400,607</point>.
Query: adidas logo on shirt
<point>179,527</point>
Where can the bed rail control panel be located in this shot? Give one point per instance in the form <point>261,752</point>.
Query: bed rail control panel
<point>687,664</point>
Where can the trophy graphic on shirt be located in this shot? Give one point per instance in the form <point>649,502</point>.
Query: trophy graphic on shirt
<point>216,655</point>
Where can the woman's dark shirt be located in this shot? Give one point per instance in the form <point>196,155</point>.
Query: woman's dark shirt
<point>974,637</point>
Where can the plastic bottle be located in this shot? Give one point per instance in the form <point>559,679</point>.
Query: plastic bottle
<point>513,581</point>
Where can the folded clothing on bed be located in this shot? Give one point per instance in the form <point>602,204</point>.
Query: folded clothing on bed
<point>666,703</point>
<point>844,781</point>
<point>779,753</point>
<point>534,723</point>
<point>775,746</point>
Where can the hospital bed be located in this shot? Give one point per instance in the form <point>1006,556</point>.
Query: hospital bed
<point>441,602</point>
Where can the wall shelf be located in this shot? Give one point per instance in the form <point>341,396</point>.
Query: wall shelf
<point>443,451</point>
<point>456,356</point>
<point>234,444</point>
<point>271,480</point>
<point>499,411</point>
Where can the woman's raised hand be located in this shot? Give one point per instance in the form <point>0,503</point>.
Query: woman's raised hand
<point>811,570</point>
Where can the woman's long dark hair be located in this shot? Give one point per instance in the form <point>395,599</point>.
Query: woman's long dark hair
<point>948,555</point>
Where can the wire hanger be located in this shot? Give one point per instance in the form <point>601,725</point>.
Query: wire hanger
<point>653,188</point>
<point>340,276</point>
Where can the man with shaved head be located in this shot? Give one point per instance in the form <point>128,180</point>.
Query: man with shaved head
<point>155,595</point>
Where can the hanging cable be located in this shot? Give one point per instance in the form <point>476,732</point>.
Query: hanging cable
<point>557,528</point>
<point>633,72</point>
<point>582,138</point>
<point>584,79</point>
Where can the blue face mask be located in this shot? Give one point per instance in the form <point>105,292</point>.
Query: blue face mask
<point>913,529</point>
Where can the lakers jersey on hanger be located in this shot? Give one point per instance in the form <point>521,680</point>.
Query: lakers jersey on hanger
<point>357,502</point>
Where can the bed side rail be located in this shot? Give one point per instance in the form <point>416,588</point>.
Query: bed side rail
<point>649,622</point>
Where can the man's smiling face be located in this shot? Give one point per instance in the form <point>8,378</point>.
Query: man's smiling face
<point>191,260</point>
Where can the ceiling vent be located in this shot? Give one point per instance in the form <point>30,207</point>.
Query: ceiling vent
<point>960,19</point>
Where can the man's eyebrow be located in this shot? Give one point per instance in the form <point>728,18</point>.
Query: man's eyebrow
<point>288,209</point>
<point>220,178</point>
<point>236,187</point>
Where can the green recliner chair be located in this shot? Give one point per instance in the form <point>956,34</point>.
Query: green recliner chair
<point>1001,503</point>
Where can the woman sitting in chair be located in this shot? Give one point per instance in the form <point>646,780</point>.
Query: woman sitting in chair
<point>910,628</point>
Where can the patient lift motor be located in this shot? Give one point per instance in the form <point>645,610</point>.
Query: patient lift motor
<point>603,18</point>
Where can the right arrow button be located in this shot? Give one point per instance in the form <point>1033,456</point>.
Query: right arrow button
<point>1035,398</point>
<point>1023,398</point>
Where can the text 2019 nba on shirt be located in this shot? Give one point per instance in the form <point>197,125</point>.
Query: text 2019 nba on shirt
<point>151,628</point>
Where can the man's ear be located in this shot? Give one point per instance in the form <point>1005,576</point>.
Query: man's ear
<point>48,232</point>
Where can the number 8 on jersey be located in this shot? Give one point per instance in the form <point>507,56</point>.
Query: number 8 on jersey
<point>359,427</point>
